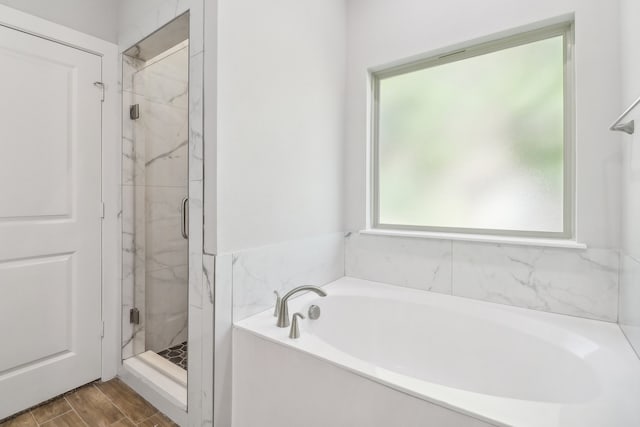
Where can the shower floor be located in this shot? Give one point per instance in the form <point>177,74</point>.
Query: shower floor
<point>176,355</point>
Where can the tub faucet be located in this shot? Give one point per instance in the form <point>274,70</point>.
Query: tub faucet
<point>294,333</point>
<point>283,312</point>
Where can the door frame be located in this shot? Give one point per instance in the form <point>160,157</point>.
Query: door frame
<point>110,177</point>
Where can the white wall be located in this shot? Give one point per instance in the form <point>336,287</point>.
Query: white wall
<point>137,19</point>
<point>630,39</point>
<point>630,273</point>
<point>382,31</point>
<point>94,17</point>
<point>280,117</point>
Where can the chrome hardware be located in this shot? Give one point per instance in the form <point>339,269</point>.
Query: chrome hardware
<point>314,312</point>
<point>294,333</point>
<point>185,221</point>
<point>134,112</point>
<point>134,316</point>
<point>283,312</point>
<point>628,127</point>
<point>100,86</point>
<point>276,309</point>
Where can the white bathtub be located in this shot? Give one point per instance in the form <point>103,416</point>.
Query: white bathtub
<point>496,364</point>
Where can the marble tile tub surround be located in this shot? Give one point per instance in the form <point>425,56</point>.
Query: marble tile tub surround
<point>581,283</point>
<point>414,263</point>
<point>283,266</point>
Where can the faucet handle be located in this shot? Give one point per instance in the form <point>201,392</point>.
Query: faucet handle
<point>294,333</point>
<point>276,310</point>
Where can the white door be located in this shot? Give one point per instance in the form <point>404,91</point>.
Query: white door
<point>50,191</point>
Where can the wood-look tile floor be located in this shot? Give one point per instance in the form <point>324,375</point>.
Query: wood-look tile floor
<point>111,403</point>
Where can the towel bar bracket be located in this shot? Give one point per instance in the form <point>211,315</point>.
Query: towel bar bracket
<point>628,127</point>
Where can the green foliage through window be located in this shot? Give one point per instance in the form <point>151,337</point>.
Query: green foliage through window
<point>477,143</point>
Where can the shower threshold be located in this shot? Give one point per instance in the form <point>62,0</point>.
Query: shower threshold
<point>167,379</point>
<point>176,355</point>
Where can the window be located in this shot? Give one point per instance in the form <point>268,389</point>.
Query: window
<point>478,140</point>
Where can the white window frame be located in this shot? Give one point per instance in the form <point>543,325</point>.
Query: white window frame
<point>566,30</point>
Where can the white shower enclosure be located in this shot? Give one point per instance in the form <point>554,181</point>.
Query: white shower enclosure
<point>154,195</point>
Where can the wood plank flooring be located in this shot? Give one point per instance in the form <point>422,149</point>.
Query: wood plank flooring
<point>108,404</point>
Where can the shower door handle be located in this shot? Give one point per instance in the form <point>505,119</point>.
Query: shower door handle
<point>184,223</point>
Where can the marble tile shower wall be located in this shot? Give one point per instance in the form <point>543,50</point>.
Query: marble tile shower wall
<point>155,182</point>
<point>133,225</point>
<point>138,20</point>
<point>567,281</point>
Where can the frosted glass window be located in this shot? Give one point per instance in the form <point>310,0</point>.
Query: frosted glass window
<point>476,143</point>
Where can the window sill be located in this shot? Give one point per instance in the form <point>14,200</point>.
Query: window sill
<point>503,240</point>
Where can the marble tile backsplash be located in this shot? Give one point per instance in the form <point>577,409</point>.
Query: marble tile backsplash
<point>568,281</point>
<point>575,282</point>
<point>281,267</point>
<point>581,283</point>
<point>414,263</point>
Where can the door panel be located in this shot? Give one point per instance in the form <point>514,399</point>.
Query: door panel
<point>50,237</point>
<point>41,110</point>
<point>42,308</point>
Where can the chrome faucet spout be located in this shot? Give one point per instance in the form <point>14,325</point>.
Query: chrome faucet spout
<point>283,312</point>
